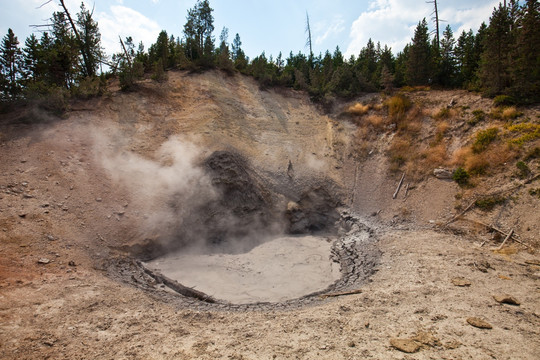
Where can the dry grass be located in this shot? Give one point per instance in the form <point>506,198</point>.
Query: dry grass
<point>510,113</point>
<point>358,109</point>
<point>376,121</point>
<point>444,113</point>
<point>397,107</point>
<point>482,163</point>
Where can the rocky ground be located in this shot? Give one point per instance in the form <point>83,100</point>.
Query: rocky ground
<point>80,194</point>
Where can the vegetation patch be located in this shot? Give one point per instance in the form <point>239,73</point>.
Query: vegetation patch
<point>527,131</point>
<point>461,176</point>
<point>478,116</point>
<point>397,107</point>
<point>358,109</point>
<point>484,138</point>
<point>535,192</point>
<point>489,203</point>
<point>502,100</point>
<point>534,153</point>
<point>443,113</point>
<point>523,170</point>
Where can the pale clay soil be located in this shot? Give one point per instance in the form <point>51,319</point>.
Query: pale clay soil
<point>68,197</point>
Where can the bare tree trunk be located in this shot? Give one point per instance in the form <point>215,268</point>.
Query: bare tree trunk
<point>308,42</point>
<point>436,18</point>
<point>87,66</point>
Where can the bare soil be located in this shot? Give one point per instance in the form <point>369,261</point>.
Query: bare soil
<point>81,194</point>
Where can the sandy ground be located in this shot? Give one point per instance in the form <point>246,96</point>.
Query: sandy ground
<point>65,216</point>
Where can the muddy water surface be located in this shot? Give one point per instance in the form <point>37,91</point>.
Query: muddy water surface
<point>281,269</point>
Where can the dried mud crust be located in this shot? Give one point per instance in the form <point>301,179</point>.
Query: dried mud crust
<point>355,251</point>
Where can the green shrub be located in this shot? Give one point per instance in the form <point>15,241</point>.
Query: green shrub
<point>502,100</point>
<point>533,154</point>
<point>479,115</point>
<point>484,138</point>
<point>461,176</point>
<point>489,203</point>
<point>524,170</point>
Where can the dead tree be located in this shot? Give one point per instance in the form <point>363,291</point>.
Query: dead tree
<point>436,18</point>
<point>308,41</point>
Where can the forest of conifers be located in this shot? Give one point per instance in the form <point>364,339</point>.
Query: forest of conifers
<point>67,60</point>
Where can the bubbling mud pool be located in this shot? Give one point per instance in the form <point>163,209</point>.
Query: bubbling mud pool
<point>278,270</point>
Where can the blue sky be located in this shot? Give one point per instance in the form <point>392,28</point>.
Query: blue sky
<point>263,25</point>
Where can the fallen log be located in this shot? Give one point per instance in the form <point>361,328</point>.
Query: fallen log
<point>513,237</point>
<point>506,239</point>
<point>176,286</point>
<point>399,186</point>
<point>461,213</point>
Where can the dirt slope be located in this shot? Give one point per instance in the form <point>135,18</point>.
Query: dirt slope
<point>75,191</point>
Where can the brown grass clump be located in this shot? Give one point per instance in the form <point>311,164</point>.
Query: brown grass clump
<point>397,107</point>
<point>510,113</point>
<point>480,163</point>
<point>376,121</point>
<point>444,113</point>
<point>435,156</point>
<point>358,109</point>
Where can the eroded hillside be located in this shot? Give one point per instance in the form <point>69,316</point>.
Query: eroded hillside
<point>211,158</point>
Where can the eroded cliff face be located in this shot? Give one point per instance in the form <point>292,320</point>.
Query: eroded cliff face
<point>206,159</point>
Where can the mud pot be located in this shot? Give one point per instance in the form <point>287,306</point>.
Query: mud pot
<point>255,246</point>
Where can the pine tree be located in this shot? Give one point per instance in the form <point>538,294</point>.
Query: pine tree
<point>31,56</point>
<point>11,60</point>
<point>198,32</point>
<point>419,60</point>
<point>65,53</point>
<point>90,42</point>
<point>526,72</point>
<point>447,64</point>
<point>495,60</point>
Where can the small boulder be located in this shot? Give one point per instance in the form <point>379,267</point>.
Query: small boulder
<point>406,345</point>
<point>461,281</point>
<point>43,261</point>
<point>506,299</point>
<point>479,323</point>
<point>441,173</point>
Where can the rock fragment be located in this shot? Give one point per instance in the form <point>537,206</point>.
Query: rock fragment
<point>406,345</point>
<point>479,323</point>
<point>441,173</point>
<point>43,261</point>
<point>461,281</point>
<point>506,299</point>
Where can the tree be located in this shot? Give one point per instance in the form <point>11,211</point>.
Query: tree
<point>198,32</point>
<point>64,52</point>
<point>526,72</point>
<point>11,60</point>
<point>160,50</point>
<point>447,64</point>
<point>31,58</point>
<point>419,59</point>
<point>495,61</point>
<point>237,54</point>
<point>89,42</point>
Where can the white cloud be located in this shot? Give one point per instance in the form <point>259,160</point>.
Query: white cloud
<point>124,21</point>
<point>323,29</point>
<point>392,22</point>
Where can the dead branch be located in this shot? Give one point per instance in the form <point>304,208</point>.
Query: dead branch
<point>399,186</point>
<point>179,288</point>
<point>407,190</point>
<point>352,292</point>
<point>460,214</point>
<point>506,239</point>
<point>128,58</point>
<point>491,227</point>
